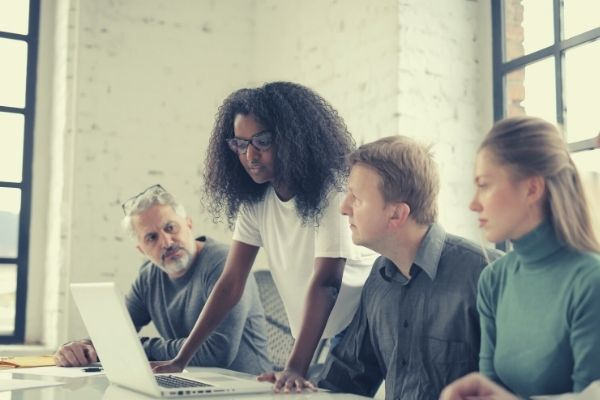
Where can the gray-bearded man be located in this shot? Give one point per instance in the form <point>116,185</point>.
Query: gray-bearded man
<point>172,288</point>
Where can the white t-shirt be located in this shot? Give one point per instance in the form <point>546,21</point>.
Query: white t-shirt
<point>292,248</point>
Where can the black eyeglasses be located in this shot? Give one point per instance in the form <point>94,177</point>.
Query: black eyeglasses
<point>261,141</point>
<point>129,203</point>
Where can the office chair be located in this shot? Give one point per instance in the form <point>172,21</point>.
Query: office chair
<point>279,335</point>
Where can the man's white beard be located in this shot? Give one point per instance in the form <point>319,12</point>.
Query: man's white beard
<point>180,265</point>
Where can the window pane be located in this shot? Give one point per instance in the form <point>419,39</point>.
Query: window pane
<point>8,395</point>
<point>588,164</point>
<point>528,27</point>
<point>11,151</point>
<point>13,70</point>
<point>582,87</point>
<point>10,205</point>
<point>14,15</point>
<point>8,298</point>
<point>530,91</point>
<point>580,16</point>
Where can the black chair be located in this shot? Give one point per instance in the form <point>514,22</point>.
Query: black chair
<point>279,335</point>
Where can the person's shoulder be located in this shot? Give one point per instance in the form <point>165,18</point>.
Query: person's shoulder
<point>249,208</point>
<point>214,246</point>
<point>268,197</point>
<point>589,260</point>
<point>147,268</point>
<point>586,270</point>
<point>495,274</point>
<point>255,210</point>
<point>214,254</point>
<point>148,274</point>
<point>468,252</point>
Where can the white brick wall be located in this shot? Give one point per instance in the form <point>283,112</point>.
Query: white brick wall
<point>144,79</point>
<point>346,50</point>
<point>444,93</point>
<point>148,83</point>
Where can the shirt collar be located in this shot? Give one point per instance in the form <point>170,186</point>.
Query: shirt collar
<point>427,257</point>
<point>430,250</point>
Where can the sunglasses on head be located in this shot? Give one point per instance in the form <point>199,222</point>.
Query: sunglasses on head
<point>261,141</point>
<point>129,203</point>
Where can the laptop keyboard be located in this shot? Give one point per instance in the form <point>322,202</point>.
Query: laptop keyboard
<point>169,381</point>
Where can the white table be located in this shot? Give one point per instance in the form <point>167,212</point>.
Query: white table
<point>98,387</point>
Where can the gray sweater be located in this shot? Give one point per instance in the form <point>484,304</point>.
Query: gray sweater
<point>239,342</point>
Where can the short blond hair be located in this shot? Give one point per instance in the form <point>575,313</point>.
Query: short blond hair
<point>408,173</point>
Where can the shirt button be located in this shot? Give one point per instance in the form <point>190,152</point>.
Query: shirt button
<point>405,324</point>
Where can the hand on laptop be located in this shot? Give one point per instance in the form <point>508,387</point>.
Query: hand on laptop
<point>162,367</point>
<point>477,386</point>
<point>287,381</point>
<point>75,354</point>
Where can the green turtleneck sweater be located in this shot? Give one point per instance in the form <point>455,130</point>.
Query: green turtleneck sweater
<point>540,316</point>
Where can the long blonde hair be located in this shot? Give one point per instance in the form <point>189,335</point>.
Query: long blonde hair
<point>533,147</point>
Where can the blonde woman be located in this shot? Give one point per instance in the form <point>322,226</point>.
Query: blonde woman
<point>539,304</point>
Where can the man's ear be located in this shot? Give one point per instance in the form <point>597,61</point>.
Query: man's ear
<point>140,249</point>
<point>399,214</point>
<point>188,221</point>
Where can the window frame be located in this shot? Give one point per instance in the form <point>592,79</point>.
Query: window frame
<point>28,112</point>
<point>555,50</point>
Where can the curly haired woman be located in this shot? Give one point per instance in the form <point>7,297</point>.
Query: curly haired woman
<point>276,168</point>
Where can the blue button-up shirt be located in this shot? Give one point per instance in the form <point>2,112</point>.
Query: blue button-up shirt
<point>418,334</point>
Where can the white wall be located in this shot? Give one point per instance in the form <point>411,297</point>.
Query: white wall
<point>414,67</point>
<point>141,81</point>
<point>445,93</point>
<point>346,50</point>
<point>144,83</point>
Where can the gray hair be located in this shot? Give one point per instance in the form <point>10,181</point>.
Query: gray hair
<point>149,198</point>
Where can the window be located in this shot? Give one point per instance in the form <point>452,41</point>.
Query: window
<point>19,21</point>
<point>546,57</point>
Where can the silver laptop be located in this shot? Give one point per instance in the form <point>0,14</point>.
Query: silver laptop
<point>107,320</point>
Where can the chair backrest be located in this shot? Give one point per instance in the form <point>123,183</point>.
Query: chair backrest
<point>279,336</point>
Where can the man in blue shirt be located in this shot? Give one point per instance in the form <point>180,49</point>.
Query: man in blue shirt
<point>417,325</point>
